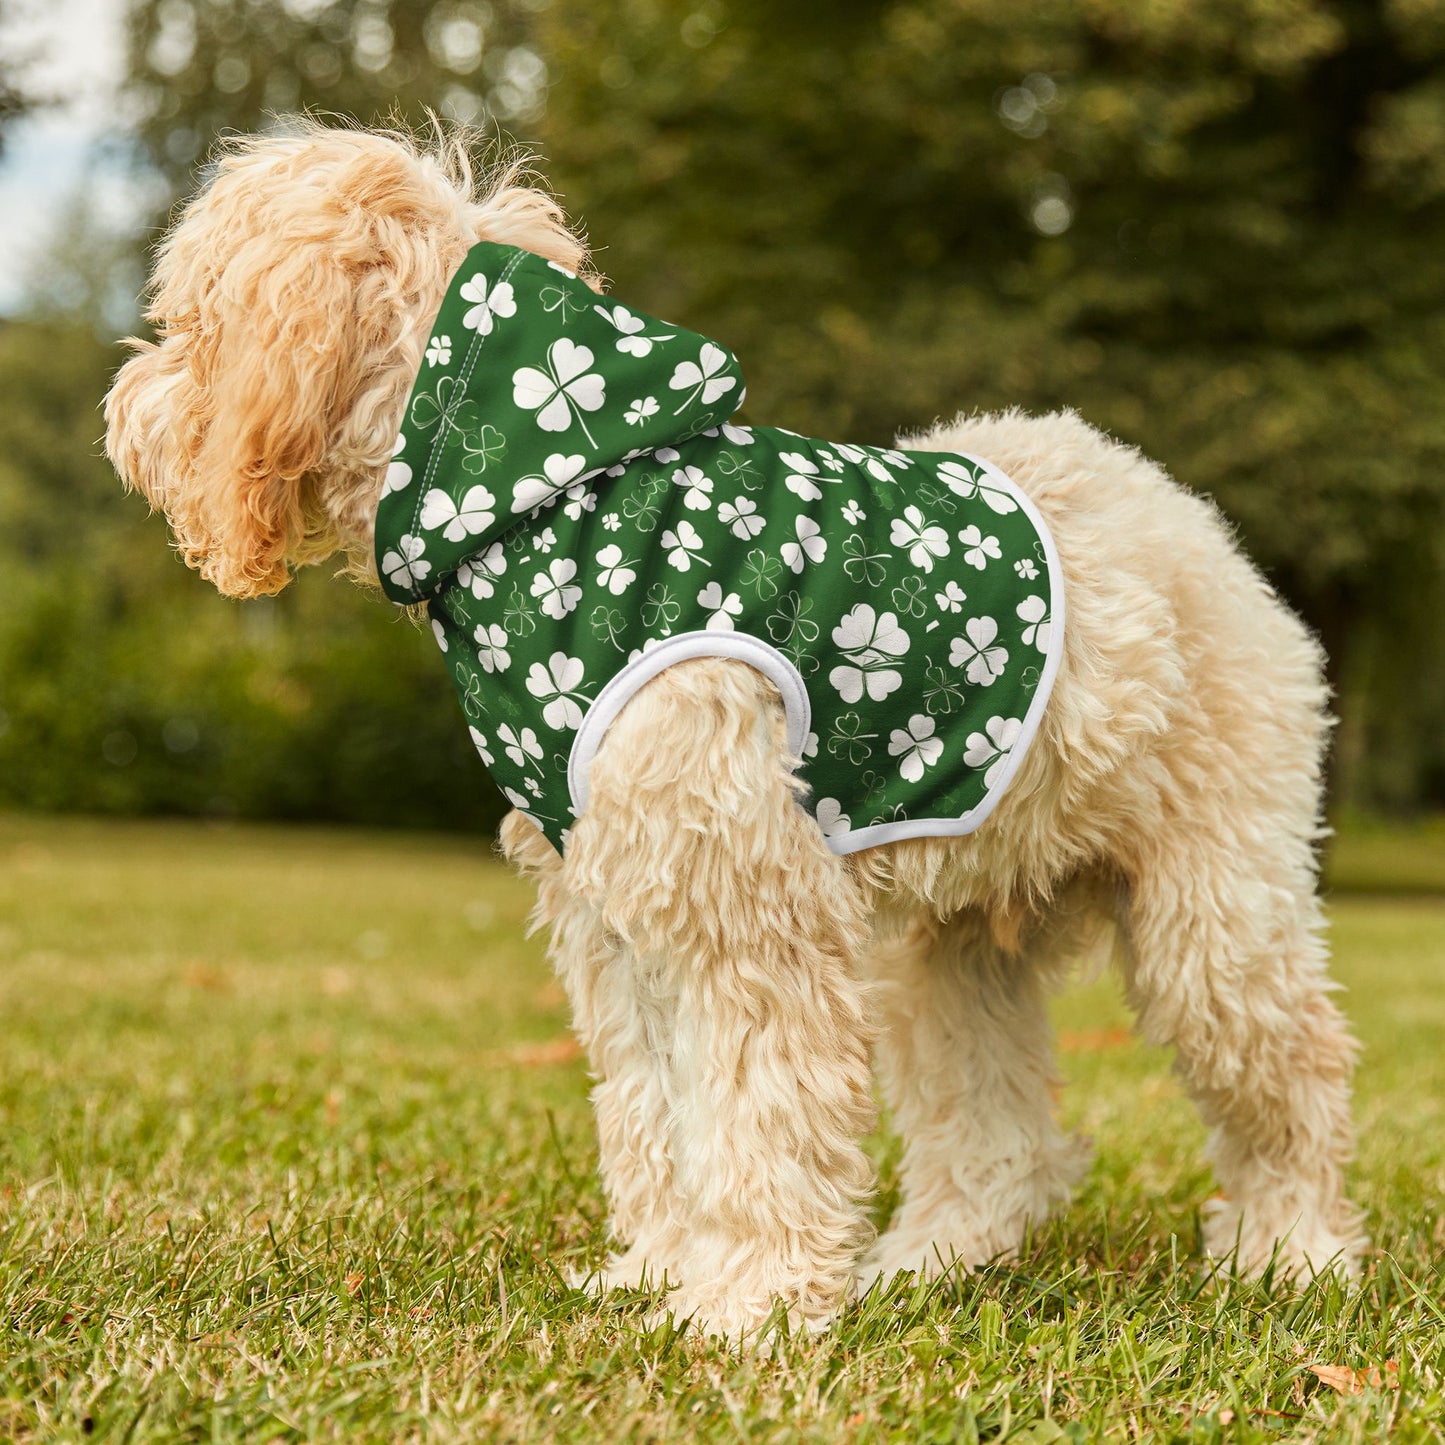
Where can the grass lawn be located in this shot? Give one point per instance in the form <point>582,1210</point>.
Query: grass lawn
<point>293,1146</point>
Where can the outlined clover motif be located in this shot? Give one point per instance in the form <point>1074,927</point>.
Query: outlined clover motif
<point>446,409</point>
<point>761,573</point>
<point>848,740</point>
<point>483,448</point>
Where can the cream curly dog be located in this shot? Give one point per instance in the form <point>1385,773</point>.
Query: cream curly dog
<point>730,976</point>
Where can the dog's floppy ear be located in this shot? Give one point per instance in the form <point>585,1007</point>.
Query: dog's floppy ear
<point>221,421</point>
<point>285,301</point>
<point>273,351</point>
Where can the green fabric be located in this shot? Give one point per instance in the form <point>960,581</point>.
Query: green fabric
<point>568,494</point>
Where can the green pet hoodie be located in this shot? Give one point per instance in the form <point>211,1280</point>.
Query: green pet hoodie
<point>573,503</point>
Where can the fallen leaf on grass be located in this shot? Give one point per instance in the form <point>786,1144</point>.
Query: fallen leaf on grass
<point>354,1283</point>
<point>1101,1039</point>
<point>204,976</point>
<point>554,1051</point>
<point>1346,1381</point>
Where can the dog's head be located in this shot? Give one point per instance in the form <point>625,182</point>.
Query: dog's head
<point>291,302</point>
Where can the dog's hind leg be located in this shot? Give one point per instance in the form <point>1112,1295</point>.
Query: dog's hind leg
<point>743,931</point>
<point>1225,961</point>
<point>966,1060</point>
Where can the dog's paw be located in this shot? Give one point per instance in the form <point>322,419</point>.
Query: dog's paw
<point>632,1270</point>
<point>1298,1247</point>
<point>757,1325</point>
<point>897,1254</point>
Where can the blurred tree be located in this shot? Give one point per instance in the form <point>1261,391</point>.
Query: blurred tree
<point>127,685</point>
<point>1216,227</point>
<point>202,67</point>
<point>15,98</point>
<point>1217,230</point>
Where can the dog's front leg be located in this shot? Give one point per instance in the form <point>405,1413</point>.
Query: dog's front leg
<point>741,932</point>
<point>624,1024</point>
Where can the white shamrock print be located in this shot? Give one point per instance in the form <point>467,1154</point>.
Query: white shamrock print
<point>832,819</point>
<point>565,384</point>
<point>492,651</point>
<point>545,540</point>
<point>499,302</point>
<point>982,660</point>
<point>1026,569</point>
<point>611,521</point>
<point>556,588</point>
<point>517,800</point>
<point>723,608</point>
<point>406,566</point>
<point>992,747</point>
<point>479,572</point>
<point>870,641</point>
<point>471,518</point>
<point>853,514</point>
<point>921,538</point>
<point>978,549</point>
<point>439,351</point>
<point>685,546</point>
<point>810,546</point>
<point>479,742</point>
<point>522,747</point>
<point>963,483</point>
<point>1035,611</point>
<point>617,573</point>
<point>697,493</point>
<point>560,473</point>
<point>580,499</point>
<point>702,376</point>
<point>558,686</point>
<point>631,342</point>
<point>398,474</point>
<point>439,632</point>
<point>952,598</point>
<point>639,411</point>
<point>802,476</point>
<point>740,517</point>
<point>917,748</point>
<point>739,436</point>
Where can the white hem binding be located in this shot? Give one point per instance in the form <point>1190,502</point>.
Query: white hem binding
<point>744,647</point>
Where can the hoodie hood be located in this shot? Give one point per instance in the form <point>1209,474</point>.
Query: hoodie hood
<point>532,386</point>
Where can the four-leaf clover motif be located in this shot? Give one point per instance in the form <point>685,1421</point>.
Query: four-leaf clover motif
<point>566,389</point>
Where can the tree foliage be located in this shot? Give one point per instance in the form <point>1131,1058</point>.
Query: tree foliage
<point>1214,227</point>
<point>1217,230</point>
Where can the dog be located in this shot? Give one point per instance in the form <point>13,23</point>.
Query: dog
<point>731,975</point>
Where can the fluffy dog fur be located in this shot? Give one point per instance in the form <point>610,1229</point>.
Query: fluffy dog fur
<point>728,975</point>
